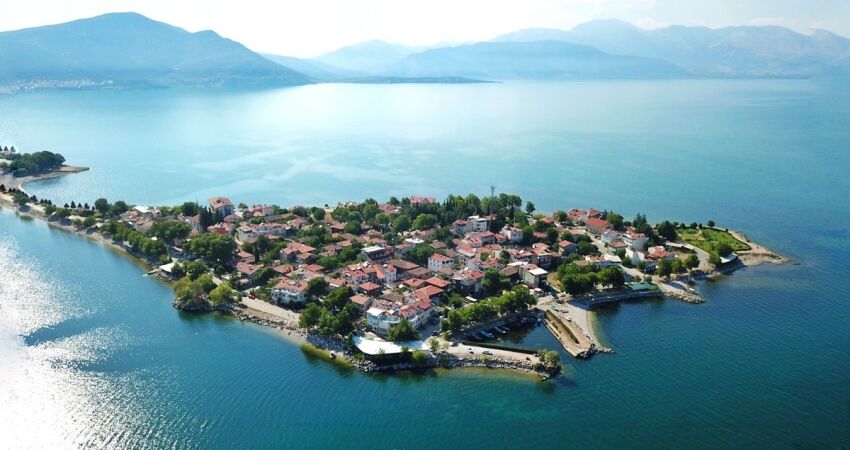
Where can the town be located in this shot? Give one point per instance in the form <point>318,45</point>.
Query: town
<point>411,282</point>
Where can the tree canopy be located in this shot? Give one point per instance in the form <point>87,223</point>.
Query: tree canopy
<point>213,246</point>
<point>402,332</point>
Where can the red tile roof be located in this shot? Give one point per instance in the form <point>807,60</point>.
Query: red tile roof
<point>438,282</point>
<point>598,223</point>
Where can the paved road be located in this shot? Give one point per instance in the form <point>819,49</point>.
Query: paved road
<point>268,308</point>
<point>462,352</point>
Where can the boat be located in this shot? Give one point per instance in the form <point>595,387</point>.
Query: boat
<point>487,334</point>
<point>500,330</point>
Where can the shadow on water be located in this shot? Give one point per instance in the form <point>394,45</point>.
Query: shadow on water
<point>66,328</point>
<point>201,316</point>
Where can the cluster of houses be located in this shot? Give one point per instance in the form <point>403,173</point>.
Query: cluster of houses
<point>630,241</point>
<point>388,286</point>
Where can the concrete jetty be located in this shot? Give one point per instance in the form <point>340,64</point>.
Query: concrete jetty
<point>569,335</point>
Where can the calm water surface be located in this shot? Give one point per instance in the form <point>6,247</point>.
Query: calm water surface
<point>92,354</point>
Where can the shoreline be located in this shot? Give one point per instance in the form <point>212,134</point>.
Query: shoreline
<point>757,254</point>
<point>285,323</point>
<point>282,327</point>
<point>11,181</point>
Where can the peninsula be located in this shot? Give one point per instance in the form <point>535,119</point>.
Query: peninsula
<point>410,282</point>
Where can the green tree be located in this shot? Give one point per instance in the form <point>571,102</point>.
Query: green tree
<point>677,266</point>
<point>550,358</point>
<point>401,223</point>
<point>420,254</point>
<point>101,205</point>
<point>195,269</point>
<point>189,209</point>
<point>318,214</point>
<point>667,230</point>
<point>529,207</point>
<point>338,298</point>
<point>692,261</point>
<point>353,227</point>
<point>316,287</point>
<point>222,294</point>
<point>118,207</point>
<point>402,332</point>
<point>310,316</point>
<point>612,276</point>
<point>724,249</point>
<point>714,259</point>
<point>493,282</point>
<point>213,246</point>
<point>263,275</point>
<point>664,268</point>
<point>177,271</point>
<point>170,230</point>
<point>419,358</point>
<point>424,222</point>
<point>615,220</point>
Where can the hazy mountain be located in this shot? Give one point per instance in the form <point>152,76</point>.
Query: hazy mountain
<point>313,68</point>
<point>127,49</point>
<point>730,52</point>
<point>327,73</point>
<point>532,60</point>
<point>367,57</point>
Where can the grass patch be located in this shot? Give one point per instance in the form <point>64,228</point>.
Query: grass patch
<point>708,239</point>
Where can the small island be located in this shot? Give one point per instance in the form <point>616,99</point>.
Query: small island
<point>409,283</point>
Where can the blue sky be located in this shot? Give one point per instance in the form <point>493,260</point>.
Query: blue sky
<point>310,27</point>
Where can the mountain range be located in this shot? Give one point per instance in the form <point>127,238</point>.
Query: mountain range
<point>745,51</point>
<point>130,50</point>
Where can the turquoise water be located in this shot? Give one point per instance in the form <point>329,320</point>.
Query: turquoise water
<point>91,353</point>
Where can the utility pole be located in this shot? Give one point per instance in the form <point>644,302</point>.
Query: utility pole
<point>492,197</point>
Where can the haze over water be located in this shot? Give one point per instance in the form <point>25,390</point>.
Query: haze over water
<point>763,363</point>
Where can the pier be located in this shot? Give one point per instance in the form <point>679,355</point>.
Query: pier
<point>571,337</point>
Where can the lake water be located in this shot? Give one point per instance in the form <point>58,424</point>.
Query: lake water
<point>92,354</point>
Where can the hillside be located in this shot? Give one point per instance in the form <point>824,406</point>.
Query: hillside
<point>744,51</point>
<point>549,60</point>
<point>127,49</point>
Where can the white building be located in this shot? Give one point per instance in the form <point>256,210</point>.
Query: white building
<point>290,291</point>
<point>635,240</point>
<point>438,262</point>
<point>532,275</point>
<point>221,205</point>
<point>250,231</point>
<point>513,234</point>
<point>610,236</point>
<point>471,225</point>
<point>380,320</point>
